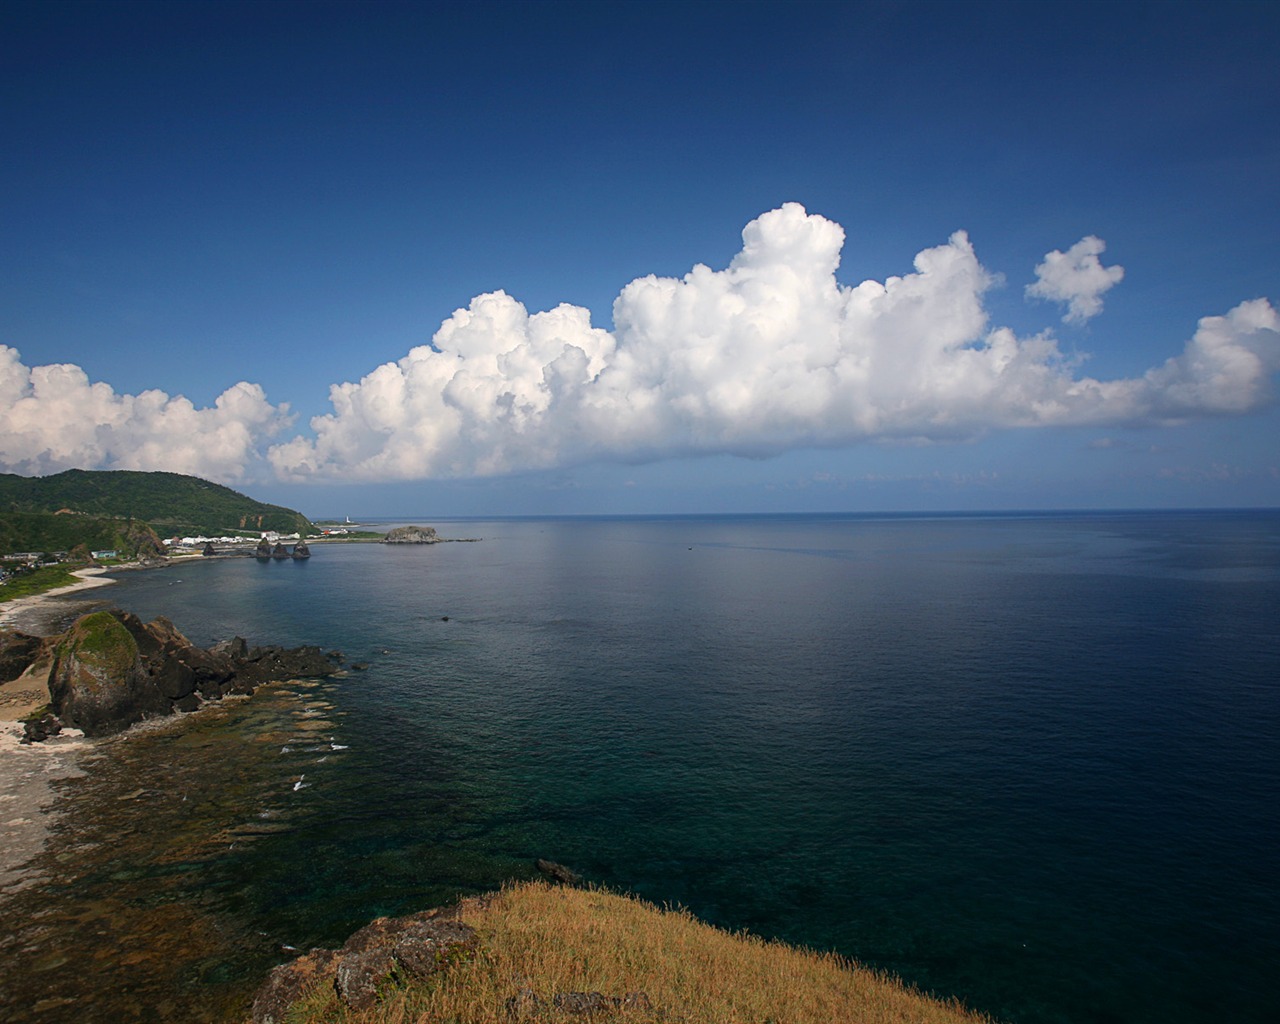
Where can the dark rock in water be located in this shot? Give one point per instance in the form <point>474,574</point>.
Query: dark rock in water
<point>38,728</point>
<point>411,535</point>
<point>359,666</point>
<point>235,648</point>
<point>17,652</point>
<point>263,551</point>
<point>280,551</point>
<point>268,664</point>
<point>110,670</point>
<point>211,668</point>
<point>557,872</point>
<point>300,550</point>
<point>208,550</point>
<point>175,679</point>
<point>387,952</point>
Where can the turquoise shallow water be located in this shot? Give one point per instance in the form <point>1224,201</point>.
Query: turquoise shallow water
<point>1029,761</point>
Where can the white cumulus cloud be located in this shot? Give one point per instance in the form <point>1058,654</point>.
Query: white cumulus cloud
<point>1076,277</point>
<point>53,418</point>
<point>765,355</point>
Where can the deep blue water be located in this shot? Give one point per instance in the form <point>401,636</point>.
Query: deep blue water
<point>1031,761</point>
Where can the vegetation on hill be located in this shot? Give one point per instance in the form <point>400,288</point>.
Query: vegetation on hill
<point>96,508</point>
<point>44,531</point>
<point>538,941</point>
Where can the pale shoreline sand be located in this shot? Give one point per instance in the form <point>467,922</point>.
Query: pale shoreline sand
<point>27,771</point>
<point>27,774</point>
<point>35,616</point>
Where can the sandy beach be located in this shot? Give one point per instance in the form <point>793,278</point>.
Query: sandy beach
<point>40,614</point>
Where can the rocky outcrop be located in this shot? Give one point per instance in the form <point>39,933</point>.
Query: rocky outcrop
<point>300,550</point>
<point>98,683</point>
<point>17,652</point>
<point>557,872</point>
<point>381,956</point>
<point>111,669</point>
<point>411,535</point>
<point>394,952</point>
<point>143,541</point>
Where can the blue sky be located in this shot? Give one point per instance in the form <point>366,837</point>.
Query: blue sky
<point>211,214</point>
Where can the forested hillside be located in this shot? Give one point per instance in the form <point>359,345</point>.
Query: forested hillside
<point>43,532</point>
<point>80,506</point>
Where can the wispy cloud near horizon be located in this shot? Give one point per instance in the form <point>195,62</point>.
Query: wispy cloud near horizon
<point>769,354</point>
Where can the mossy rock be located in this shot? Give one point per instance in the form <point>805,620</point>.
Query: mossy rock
<point>98,683</point>
<point>101,643</point>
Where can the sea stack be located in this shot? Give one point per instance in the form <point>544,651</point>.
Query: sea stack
<point>300,550</point>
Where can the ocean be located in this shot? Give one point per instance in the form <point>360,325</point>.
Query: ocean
<point>1027,760</point>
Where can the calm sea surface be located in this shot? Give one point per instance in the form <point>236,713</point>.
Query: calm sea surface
<point>1030,761</point>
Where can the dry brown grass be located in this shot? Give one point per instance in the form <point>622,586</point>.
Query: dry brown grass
<point>551,939</point>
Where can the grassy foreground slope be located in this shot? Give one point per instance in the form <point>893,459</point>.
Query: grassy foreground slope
<point>87,503</point>
<point>551,939</point>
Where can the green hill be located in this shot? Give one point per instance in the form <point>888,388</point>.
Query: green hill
<point>102,509</point>
<point>41,531</point>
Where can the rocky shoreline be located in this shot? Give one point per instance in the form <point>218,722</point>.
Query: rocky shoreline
<point>61,687</point>
<point>28,771</point>
<point>111,670</point>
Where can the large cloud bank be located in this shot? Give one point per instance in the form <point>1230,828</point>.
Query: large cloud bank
<point>52,418</point>
<point>766,355</point>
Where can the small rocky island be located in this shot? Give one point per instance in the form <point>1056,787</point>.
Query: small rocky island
<point>422,535</point>
<point>412,535</point>
<point>111,669</point>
